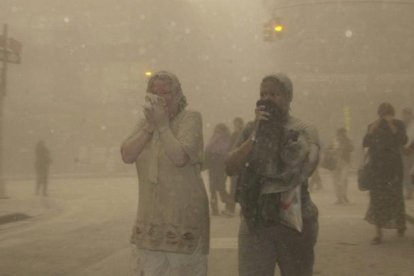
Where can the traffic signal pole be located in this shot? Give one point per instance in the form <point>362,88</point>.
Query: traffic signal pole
<point>3,90</point>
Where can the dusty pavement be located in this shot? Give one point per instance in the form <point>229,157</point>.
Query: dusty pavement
<point>83,227</point>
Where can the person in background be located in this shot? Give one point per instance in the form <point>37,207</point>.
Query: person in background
<point>384,140</point>
<point>171,231</point>
<point>42,164</point>
<point>408,160</point>
<point>409,150</point>
<point>238,125</point>
<point>315,181</point>
<point>342,148</point>
<point>215,153</point>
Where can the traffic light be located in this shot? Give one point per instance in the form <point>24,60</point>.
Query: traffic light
<point>278,28</point>
<point>273,29</point>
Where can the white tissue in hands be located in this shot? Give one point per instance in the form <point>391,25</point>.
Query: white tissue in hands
<point>147,106</point>
<point>152,98</point>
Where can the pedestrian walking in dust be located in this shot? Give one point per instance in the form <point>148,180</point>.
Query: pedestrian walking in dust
<point>171,231</point>
<point>274,157</point>
<point>216,152</point>
<point>42,164</point>
<point>341,148</point>
<point>408,160</point>
<point>238,126</point>
<point>384,140</point>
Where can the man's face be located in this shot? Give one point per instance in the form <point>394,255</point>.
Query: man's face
<point>270,91</point>
<point>162,89</point>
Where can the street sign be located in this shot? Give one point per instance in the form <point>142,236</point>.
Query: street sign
<point>11,56</point>
<point>13,48</point>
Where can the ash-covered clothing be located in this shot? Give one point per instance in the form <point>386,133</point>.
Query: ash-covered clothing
<point>409,127</point>
<point>408,162</point>
<point>342,149</point>
<point>340,181</point>
<point>310,135</point>
<point>234,138</point>
<point>157,263</point>
<point>43,159</point>
<point>263,246</point>
<point>217,183</point>
<point>315,181</point>
<point>215,155</point>
<point>233,180</point>
<point>42,165</point>
<point>290,250</point>
<point>172,205</point>
<point>386,207</point>
<point>218,145</point>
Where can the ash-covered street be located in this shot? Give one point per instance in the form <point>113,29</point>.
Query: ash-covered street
<point>83,228</point>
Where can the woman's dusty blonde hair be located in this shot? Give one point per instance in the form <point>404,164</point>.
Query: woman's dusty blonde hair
<point>179,100</point>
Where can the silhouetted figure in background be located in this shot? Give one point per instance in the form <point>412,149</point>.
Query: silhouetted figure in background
<point>42,164</point>
<point>315,181</point>
<point>238,125</point>
<point>342,148</point>
<point>384,140</point>
<point>408,160</point>
<point>409,150</point>
<point>216,152</point>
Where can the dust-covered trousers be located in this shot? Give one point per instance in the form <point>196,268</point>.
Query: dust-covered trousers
<point>340,181</point>
<point>159,263</point>
<point>260,250</point>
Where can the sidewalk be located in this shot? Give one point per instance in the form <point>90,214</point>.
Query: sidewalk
<point>21,198</point>
<point>23,205</point>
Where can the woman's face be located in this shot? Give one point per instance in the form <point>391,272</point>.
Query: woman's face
<point>162,88</point>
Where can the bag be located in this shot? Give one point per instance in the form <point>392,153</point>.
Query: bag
<point>291,209</point>
<point>365,174</point>
<point>329,160</point>
<point>282,208</point>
